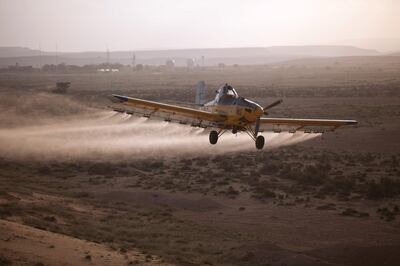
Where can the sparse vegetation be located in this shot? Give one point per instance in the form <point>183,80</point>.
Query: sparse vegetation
<point>5,261</point>
<point>387,213</point>
<point>385,187</point>
<point>354,213</point>
<point>327,178</point>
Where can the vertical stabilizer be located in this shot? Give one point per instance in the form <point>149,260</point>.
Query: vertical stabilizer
<point>200,93</point>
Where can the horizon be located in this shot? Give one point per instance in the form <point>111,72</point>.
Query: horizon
<point>75,26</point>
<point>194,48</point>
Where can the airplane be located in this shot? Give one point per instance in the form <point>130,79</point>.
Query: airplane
<point>227,112</point>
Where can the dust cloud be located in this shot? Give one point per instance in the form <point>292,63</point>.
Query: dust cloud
<point>107,135</point>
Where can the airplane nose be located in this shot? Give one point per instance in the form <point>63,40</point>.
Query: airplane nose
<point>259,111</point>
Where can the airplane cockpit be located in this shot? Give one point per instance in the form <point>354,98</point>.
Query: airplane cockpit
<point>226,94</point>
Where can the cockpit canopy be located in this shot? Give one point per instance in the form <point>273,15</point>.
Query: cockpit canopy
<point>226,94</point>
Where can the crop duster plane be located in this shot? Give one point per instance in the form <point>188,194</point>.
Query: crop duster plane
<point>227,112</point>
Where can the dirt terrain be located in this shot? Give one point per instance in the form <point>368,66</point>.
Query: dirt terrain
<point>111,189</point>
<point>26,244</point>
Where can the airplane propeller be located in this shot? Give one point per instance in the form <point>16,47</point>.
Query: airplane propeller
<point>272,105</point>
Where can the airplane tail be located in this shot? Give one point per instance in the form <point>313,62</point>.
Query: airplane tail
<point>200,93</point>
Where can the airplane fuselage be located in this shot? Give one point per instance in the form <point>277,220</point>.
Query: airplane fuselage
<point>238,111</point>
<point>235,113</point>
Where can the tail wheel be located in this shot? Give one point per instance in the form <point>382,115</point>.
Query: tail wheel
<point>260,141</point>
<point>213,137</point>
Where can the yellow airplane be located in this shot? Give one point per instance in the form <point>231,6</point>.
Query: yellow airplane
<point>227,112</point>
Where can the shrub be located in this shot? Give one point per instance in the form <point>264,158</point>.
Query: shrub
<point>4,261</point>
<point>387,214</point>
<point>374,190</point>
<point>232,192</point>
<point>312,175</point>
<point>354,213</point>
<point>386,187</point>
<point>263,193</point>
<point>50,218</point>
<point>269,168</point>
<point>9,209</point>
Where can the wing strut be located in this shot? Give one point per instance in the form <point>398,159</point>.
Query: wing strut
<point>257,128</point>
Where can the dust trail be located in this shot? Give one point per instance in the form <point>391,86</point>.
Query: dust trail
<point>285,138</point>
<point>108,136</point>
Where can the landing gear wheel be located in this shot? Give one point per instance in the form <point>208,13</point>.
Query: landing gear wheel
<point>260,142</point>
<point>213,137</point>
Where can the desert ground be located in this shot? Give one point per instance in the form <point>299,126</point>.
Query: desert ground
<point>83,185</point>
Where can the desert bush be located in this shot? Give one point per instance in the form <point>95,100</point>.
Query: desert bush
<point>81,194</point>
<point>231,192</point>
<point>5,261</point>
<point>328,188</point>
<point>329,206</point>
<point>374,190</point>
<point>261,192</point>
<point>35,222</point>
<point>343,185</point>
<point>9,209</point>
<point>44,170</point>
<point>387,214</point>
<point>385,187</point>
<point>390,187</point>
<point>311,175</point>
<point>50,219</point>
<point>354,213</point>
<point>288,172</point>
<point>149,166</point>
<point>100,169</point>
<point>269,168</point>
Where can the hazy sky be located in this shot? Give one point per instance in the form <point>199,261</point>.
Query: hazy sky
<point>149,24</point>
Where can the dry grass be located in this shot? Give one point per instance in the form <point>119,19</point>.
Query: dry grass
<point>223,209</point>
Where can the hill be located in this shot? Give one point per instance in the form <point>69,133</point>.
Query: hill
<point>212,56</point>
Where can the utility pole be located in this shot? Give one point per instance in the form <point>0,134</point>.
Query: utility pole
<point>56,56</point>
<point>133,61</point>
<point>56,53</point>
<point>40,56</point>
<point>108,59</point>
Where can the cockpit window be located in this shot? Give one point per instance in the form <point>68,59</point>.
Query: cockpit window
<point>231,92</point>
<point>226,94</point>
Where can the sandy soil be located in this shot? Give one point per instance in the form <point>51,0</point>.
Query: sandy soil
<point>80,185</point>
<point>25,245</point>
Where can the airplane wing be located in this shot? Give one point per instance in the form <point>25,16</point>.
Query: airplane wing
<point>302,124</point>
<point>169,112</point>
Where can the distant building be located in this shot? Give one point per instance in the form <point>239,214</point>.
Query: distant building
<point>61,87</point>
<point>107,70</point>
<point>133,60</point>
<point>190,63</point>
<point>18,68</point>
<point>170,63</point>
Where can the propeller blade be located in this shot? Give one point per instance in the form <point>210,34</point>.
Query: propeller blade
<point>273,104</point>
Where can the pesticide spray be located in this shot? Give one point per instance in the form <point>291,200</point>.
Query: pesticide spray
<point>108,135</point>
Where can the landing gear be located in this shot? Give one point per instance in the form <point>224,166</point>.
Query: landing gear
<point>213,137</point>
<point>260,142</point>
<point>234,130</point>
